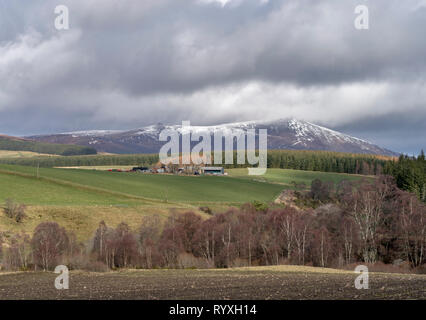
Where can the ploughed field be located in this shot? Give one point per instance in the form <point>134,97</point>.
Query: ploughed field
<point>280,282</point>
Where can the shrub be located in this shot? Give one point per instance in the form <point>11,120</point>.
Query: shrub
<point>14,211</point>
<point>207,210</point>
<point>260,206</point>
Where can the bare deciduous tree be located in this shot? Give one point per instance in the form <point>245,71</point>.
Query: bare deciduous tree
<point>412,225</point>
<point>49,242</point>
<point>149,234</point>
<point>365,204</point>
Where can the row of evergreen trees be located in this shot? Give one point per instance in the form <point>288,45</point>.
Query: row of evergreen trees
<point>409,173</point>
<point>90,160</point>
<point>326,162</point>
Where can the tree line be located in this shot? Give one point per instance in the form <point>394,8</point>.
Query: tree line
<point>89,160</point>
<point>325,161</point>
<point>409,173</point>
<point>368,221</point>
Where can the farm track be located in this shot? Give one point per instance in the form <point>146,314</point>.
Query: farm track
<point>247,283</point>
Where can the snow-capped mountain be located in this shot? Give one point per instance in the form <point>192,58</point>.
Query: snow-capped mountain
<point>282,134</point>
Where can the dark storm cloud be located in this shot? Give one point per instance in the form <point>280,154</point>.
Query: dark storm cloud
<point>128,63</point>
<point>400,131</point>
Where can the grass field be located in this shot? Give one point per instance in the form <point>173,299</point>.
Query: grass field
<point>40,192</point>
<point>287,176</point>
<point>279,282</point>
<point>6,154</point>
<point>83,220</point>
<point>79,199</point>
<point>173,188</point>
<point>85,187</point>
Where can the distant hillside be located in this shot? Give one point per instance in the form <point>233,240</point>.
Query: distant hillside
<point>19,144</point>
<point>283,134</point>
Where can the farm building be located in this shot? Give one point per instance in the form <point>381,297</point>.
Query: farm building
<point>140,169</point>
<point>213,170</point>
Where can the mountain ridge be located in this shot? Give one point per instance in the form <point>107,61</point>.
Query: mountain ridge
<point>289,134</point>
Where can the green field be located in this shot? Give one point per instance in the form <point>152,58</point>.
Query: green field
<point>7,154</point>
<point>73,186</point>
<point>39,192</point>
<point>94,187</point>
<point>79,199</point>
<point>287,176</point>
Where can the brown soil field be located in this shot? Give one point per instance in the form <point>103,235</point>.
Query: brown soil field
<point>277,283</point>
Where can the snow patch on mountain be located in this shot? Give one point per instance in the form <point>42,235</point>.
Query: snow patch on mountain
<point>90,133</point>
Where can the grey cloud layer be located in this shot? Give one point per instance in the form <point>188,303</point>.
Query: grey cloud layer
<point>128,63</point>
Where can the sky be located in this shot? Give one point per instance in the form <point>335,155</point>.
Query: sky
<point>126,64</point>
